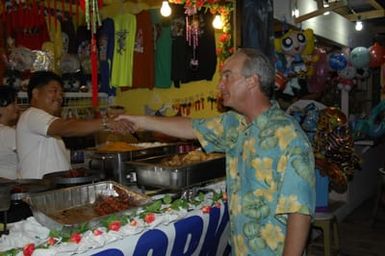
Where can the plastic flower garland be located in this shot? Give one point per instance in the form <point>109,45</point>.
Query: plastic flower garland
<point>143,217</point>
<point>223,8</point>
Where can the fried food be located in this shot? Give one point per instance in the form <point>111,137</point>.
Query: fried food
<point>117,146</point>
<point>189,158</point>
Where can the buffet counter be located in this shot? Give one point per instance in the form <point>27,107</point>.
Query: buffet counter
<point>201,229</point>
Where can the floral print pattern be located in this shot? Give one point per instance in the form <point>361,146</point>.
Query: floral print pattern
<point>270,173</point>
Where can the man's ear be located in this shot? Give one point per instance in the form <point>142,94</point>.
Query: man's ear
<point>252,81</point>
<point>35,91</point>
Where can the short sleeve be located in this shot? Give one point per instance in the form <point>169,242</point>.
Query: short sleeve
<point>39,121</point>
<point>8,137</point>
<point>210,133</point>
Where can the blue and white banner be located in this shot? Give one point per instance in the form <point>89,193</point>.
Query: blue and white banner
<point>197,234</point>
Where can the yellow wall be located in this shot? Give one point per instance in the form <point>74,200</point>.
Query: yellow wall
<point>134,100</point>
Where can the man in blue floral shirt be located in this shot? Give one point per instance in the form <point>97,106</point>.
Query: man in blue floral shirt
<point>270,165</point>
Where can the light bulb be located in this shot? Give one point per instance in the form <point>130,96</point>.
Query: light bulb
<point>165,10</point>
<point>217,22</point>
<point>295,13</point>
<point>359,25</point>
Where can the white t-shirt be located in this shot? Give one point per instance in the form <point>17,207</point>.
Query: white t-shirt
<point>38,152</point>
<point>8,156</point>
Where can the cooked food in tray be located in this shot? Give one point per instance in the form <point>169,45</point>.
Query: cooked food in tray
<point>73,206</point>
<point>117,146</point>
<point>189,158</point>
<point>109,204</point>
<point>103,205</point>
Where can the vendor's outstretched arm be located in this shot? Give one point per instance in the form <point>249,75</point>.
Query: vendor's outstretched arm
<point>180,127</point>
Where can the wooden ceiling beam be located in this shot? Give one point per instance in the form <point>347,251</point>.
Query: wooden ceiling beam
<point>366,15</point>
<point>332,7</point>
<point>375,5</point>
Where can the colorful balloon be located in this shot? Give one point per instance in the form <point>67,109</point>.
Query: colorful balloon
<point>377,53</point>
<point>337,61</point>
<point>360,57</point>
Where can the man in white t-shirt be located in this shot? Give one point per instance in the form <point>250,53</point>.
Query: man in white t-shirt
<point>40,147</point>
<point>9,113</point>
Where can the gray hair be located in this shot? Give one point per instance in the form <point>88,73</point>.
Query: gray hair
<point>257,63</point>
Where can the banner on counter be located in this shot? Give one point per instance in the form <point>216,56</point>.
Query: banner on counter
<point>198,234</point>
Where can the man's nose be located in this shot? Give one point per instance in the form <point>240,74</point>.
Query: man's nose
<point>221,85</point>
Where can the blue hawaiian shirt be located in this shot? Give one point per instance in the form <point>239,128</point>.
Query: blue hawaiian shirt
<point>270,173</point>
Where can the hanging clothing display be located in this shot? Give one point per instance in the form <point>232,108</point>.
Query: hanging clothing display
<point>25,23</point>
<point>193,46</point>
<point>125,31</point>
<point>106,53</point>
<point>143,74</point>
<point>55,46</point>
<point>162,39</point>
<point>68,35</point>
<point>83,39</point>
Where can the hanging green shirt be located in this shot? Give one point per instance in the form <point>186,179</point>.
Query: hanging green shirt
<point>125,31</point>
<point>270,173</point>
<point>162,42</point>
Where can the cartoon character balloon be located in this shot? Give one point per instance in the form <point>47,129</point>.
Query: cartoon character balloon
<point>292,45</point>
<point>346,78</point>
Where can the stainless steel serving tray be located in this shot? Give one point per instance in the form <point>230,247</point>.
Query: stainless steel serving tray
<point>47,204</point>
<point>150,172</point>
<point>141,153</point>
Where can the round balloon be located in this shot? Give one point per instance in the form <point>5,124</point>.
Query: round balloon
<point>377,53</point>
<point>337,61</point>
<point>360,57</point>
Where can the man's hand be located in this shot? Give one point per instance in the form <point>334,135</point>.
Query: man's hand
<point>131,123</point>
<point>120,126</point>
<point>179,127</point>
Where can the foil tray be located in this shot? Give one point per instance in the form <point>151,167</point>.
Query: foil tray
<point>151,173</point>
<point>46,206</point>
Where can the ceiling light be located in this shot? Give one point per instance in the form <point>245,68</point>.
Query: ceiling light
<point>359,25</point>
<point>217,22</point>
<point>326,5</point>
<point>165,10</point>
<point>295,13</point>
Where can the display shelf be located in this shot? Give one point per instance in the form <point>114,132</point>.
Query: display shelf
<point>73,99</point>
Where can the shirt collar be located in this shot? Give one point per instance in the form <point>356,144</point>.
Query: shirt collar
<point>263,119</point>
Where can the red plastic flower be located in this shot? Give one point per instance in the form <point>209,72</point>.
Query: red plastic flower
<point>133,222</point>
<point>149,217</point>
<point>224,37</point>
<point>76,238</point>
<point>28,249</point>
<point>51,240</point>
<point>206,209</point>
<point>115,225</point>
<point>200,3</point>
<point>97,232</point>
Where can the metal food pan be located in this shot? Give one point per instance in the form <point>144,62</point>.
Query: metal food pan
<point>150,172</point>
<point>136,154</point>
<point>47,204</point>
